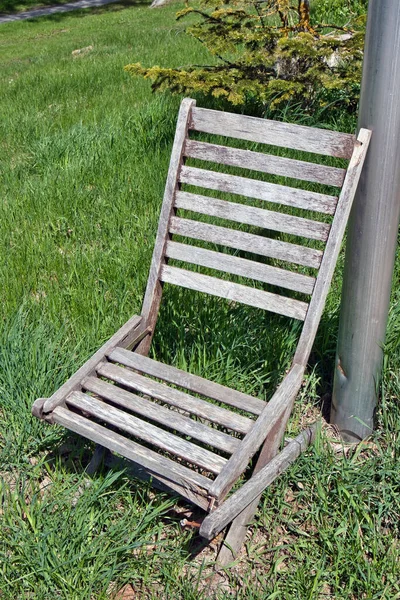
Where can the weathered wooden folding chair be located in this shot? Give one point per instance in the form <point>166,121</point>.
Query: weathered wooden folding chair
<point>131,404</point>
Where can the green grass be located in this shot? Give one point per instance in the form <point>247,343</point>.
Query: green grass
<point>84,152</point>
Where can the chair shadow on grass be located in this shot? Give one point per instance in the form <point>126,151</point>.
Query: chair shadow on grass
<point>74,455</point>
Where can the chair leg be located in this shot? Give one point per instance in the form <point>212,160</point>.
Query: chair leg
<point>238,528</point>
<point>236,535</point>
<point>99,456</point>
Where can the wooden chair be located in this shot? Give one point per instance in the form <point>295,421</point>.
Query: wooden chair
<point>131,404</point>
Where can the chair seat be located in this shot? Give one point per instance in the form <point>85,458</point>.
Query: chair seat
<point>169,432</point>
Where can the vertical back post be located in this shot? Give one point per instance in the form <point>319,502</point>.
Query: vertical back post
<point>332,248</point>
<point>152,299</point>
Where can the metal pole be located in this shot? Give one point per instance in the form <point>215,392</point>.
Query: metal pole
<point>373,228</point>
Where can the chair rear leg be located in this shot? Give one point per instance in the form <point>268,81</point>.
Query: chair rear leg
<point>238,529</point>
<point>98,458</point>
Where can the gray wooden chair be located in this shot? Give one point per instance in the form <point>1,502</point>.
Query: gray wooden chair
<point>200,445</point>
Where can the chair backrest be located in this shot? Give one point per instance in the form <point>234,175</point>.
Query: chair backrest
<point>185,191</point>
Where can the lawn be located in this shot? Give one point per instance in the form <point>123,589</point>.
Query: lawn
<point>84,153</point>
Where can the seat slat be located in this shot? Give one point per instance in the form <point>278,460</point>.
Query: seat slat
<point>261,190</point>
<point>240,266</point>
<point>153,461</point>
<point>147,432</point>
<point>195,406</point>
<point>265,163</point>
<point>297,137</point>
<point>155,412</point>
<point>252,215</point>
<point>235,291</point>
<point>193,383</point>
<point>249,242</point>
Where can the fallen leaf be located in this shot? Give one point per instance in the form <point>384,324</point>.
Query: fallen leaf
<point>126,593</point>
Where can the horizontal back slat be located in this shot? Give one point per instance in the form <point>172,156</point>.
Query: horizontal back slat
<point>235,292</point>
<point>296,137</point>
<point>265,163</point>
<point>252,188</point>
<point>240,240</point>
<point>240,266</point>
<point>251,215</point>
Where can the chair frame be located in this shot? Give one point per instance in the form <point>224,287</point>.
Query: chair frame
<point>267,431</point>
